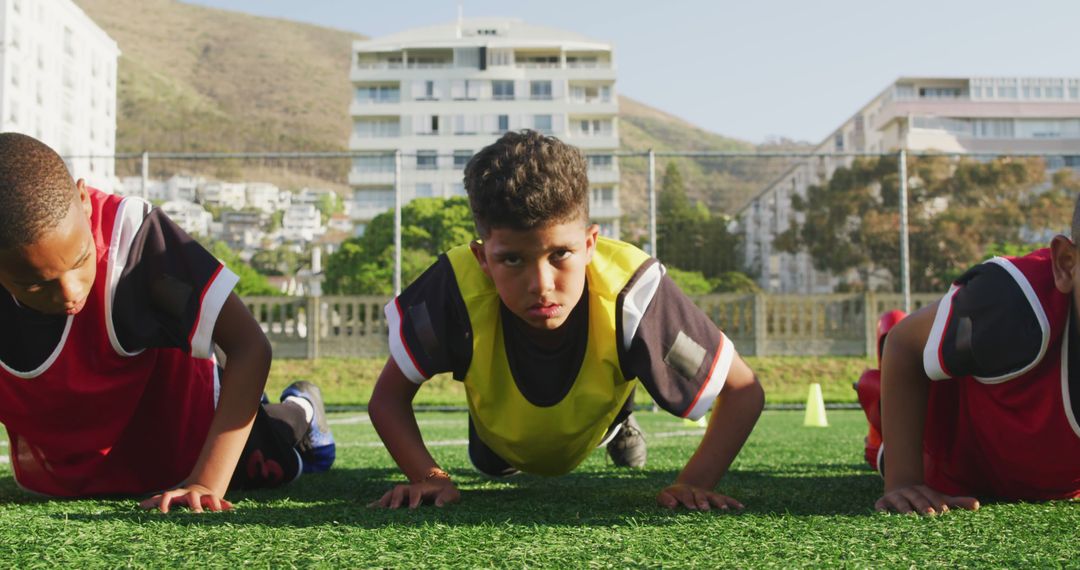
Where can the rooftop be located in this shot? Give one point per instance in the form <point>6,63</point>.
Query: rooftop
<point>488,32</point>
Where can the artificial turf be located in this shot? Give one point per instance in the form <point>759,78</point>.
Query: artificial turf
<point>808,496</point>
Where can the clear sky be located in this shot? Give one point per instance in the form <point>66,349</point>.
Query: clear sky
<point>752,69</point>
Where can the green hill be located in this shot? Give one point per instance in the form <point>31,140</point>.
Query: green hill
<point>200,79</point>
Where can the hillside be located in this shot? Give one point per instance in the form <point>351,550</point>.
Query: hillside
<point>200,79</point>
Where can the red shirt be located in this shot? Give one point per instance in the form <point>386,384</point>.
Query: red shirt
<point>1004,424</point>
<point>98,416</point>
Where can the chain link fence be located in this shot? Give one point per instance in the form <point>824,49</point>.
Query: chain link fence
<point>791,252</point>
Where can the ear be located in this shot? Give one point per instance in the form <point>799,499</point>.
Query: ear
<point>1064,258</point>
<point>592,233</point>
<point>84,198</point>
<point>478,251</point>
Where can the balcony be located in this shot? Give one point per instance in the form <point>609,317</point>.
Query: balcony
<point>604,175</point>
<point>604,211</point>
<point>371,177</point>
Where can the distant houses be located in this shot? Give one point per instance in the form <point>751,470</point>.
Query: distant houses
<point>249,216</point>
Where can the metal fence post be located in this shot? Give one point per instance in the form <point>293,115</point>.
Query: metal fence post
<point>145,175</point>
<point>652,204</point>
<point>870,323</point>
<point>761,324</point>
<point>397,222</point>
<point>314,323</point>
<point>905,267</point>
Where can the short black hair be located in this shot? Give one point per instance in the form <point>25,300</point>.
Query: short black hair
<point>36,190</point>
<point>526,180</point>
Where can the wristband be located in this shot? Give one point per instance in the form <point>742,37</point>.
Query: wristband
<point>435,472</point>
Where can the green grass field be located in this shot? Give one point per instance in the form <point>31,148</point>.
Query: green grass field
<point>807,493</point>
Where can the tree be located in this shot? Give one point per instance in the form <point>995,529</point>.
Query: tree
<point>251,281</point>
<point>688,236</point>
<point>279,261</point>
<point>957,208</point>
<point>329,204</point>
<point>429,226</point>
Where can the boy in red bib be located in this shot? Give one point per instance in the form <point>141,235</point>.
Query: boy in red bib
<point>551,327</point>
<point>110,314</point>
<point>980,391</point>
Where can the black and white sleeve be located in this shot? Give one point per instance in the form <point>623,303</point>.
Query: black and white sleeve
<point>989,325</point>
<point>429,328</point>
<point>679,355</point>
<point>170,290</point>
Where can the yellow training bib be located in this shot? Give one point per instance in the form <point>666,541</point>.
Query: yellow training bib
<point>549,440</point>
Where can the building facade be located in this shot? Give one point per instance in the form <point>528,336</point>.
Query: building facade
<point>58,84</point>
<point>997,115</point>
<point>439,94</point>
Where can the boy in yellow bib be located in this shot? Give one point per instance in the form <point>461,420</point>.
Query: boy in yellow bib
<point>551,328</point>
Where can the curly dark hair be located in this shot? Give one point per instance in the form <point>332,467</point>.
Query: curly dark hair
<point>36,190</point>
<point>526,180</point>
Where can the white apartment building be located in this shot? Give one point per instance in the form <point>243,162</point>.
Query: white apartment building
<point>191,217</point>
<point>58,84</point>
<point>229,195</point>
<point>301,222</point>
<point>962,115</point>
<point>439,94</point>
<point>263,196</point>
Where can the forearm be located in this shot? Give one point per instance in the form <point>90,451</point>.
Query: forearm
<point>242,382</point>
<point>905,390</point>
<point>733,418</point>
<point>392,415</point>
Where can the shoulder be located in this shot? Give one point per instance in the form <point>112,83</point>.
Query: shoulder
<point>992,323</point>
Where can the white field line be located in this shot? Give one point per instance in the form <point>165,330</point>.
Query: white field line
<point>456,442</point>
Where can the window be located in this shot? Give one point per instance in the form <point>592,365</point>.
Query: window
<point>427,160</point>
<point>429,89</point>
<point>504,123</point>
<point>502,90</point>
<point>374,198</point>
<point>375,128</point>
<point>425,190</point>
<point>601,162</point>
<point>602,197</point>
<point>838,142</point>
<point>461,158</point>
<point>69,42</point>
<point>540,90</point>
<point>939,92</point>
<point>378,94</point>
<point>542,123</point>
<point>376,163</point>
<point>434,124</point>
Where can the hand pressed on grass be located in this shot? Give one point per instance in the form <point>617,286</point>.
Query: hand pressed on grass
<point>436,488</point>
<point>695,498</point>
<point>922,499</point>
<point>195,497</point>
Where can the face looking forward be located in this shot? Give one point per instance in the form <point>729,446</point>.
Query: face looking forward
<point>54,274</point>
<point>539,273</point>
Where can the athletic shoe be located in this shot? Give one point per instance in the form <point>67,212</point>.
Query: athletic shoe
<point>627,447</point>
<point>317,449</point>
